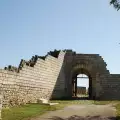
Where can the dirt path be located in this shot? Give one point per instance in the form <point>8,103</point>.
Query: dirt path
<point>73,112</point>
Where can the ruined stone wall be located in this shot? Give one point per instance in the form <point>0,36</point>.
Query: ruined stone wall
<point>59,90</point>
<point>90,63</point>
<point>107,87</point>
<point>31,83</point>
<point>51,77</point>
<point>110,89</point>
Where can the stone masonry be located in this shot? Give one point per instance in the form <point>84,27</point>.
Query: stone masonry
<point>51,77</point>
<point>33,80</point>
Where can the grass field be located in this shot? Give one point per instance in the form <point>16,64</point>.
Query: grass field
<point>117,106</point>
<point>25,111</point>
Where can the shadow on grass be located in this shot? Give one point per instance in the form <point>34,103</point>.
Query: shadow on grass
<point>75,117</point>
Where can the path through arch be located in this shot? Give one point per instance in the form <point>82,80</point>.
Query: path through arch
<point>81,112</point>
<point>88,89</point>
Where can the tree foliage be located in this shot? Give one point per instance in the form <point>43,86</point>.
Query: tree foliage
<point>115,3</point>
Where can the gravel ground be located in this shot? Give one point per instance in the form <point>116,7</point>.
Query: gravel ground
<point>85,118</point>
<point>81,112</point>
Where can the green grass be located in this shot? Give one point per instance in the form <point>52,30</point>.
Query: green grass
<point>25,111</point>
<point>70,102</point>
<point>105,102</point>
<point>117,106</point>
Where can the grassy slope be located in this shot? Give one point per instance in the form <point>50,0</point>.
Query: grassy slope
<point>25,111</point>
<point>118,110</point>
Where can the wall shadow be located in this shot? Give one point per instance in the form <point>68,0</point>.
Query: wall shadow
<point>59,92</point>
<point>75,117</point>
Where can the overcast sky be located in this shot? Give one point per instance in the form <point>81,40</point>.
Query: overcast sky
<point>30,27</point>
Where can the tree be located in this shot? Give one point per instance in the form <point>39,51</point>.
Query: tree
<point>115,3</point>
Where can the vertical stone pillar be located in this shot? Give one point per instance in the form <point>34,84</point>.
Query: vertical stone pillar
<point>72,87</point>
<point>76,86</point>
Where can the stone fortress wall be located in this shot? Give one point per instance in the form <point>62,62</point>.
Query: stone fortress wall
<point>104,86</point>
<point>33,79</point>
<point>50,76</point>
<point>111,86</point>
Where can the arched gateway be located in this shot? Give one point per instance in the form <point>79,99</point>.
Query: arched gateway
<point>102,84</point>
<point>54,77</point>
<point>80,70</point>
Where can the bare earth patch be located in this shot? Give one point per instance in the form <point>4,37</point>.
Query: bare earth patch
<point>81,112</point>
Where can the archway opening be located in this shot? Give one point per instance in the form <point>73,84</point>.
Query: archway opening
<point>81,84</point>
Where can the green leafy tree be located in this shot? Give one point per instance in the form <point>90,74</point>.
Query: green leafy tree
<point>115,3</point>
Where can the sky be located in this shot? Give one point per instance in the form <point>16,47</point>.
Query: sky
<point>34,27</point>
<point>83,82</point>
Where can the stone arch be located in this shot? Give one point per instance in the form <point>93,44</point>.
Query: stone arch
<point>86,69</point>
